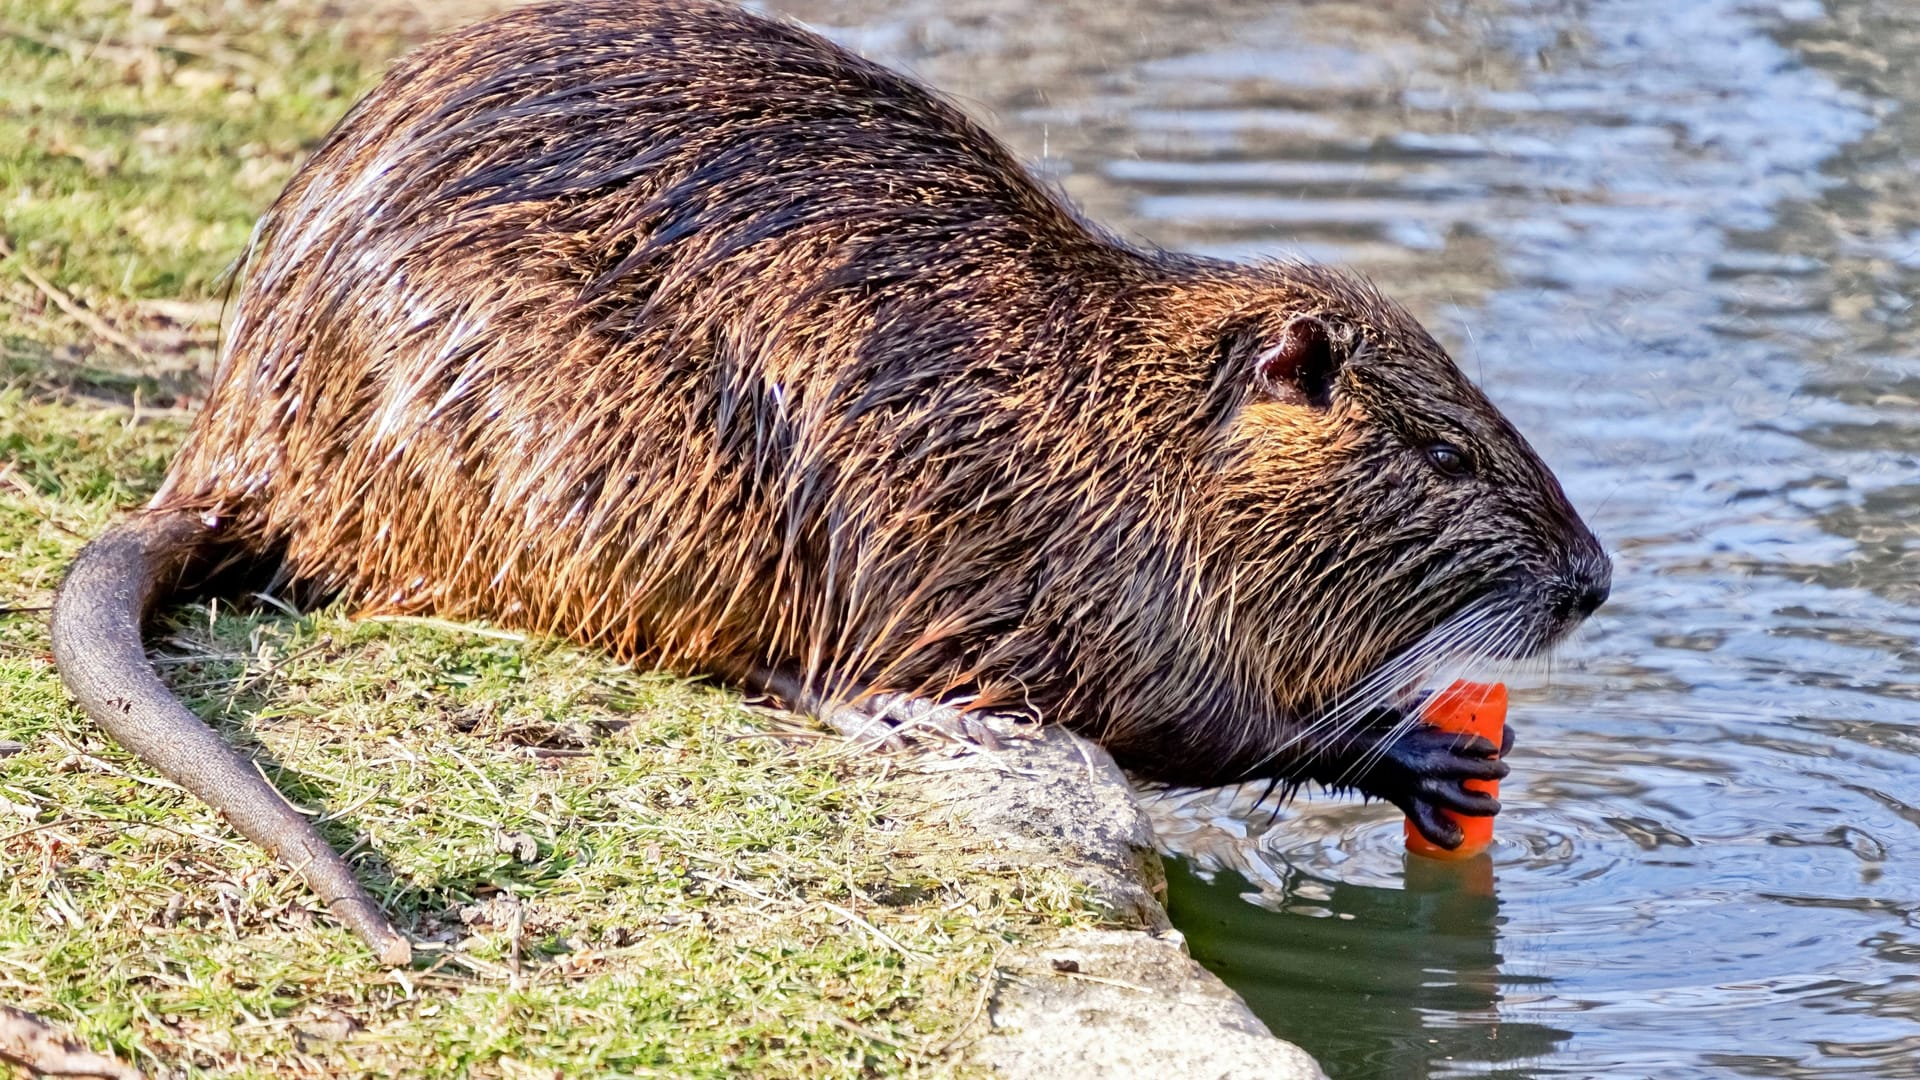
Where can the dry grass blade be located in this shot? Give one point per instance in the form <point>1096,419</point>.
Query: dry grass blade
<point>94,323</point>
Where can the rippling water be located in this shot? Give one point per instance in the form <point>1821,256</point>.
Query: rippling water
<point>1678,241</point>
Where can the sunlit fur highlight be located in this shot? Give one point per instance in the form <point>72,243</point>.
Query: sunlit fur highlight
<point>686,334</point>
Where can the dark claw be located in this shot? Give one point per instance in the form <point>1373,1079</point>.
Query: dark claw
<point>1474,746</point>
<point>1427,752</point>
<point>968,727</point>
<point>1459,799</point>
<point>1424,771</point>
<point>1434,825</point>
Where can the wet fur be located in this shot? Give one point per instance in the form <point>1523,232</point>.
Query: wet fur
<point>684,333</point>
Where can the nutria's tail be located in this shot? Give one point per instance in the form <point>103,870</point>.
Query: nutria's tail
<point>97,617</point>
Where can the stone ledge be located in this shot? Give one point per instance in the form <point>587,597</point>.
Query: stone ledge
<point>1116,1003</point>
<point>1127,1003</point>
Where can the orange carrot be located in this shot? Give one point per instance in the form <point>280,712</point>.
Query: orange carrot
<point>1467,709</point>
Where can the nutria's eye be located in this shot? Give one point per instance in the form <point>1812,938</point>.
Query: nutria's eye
<point>1449,461</point>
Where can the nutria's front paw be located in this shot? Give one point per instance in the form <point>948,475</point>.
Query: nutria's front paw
<point>1424,772</point>
<point>889,720</point>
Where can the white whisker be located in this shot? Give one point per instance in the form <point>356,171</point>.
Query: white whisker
<point>1468,656</point>
<point>1412,667</point>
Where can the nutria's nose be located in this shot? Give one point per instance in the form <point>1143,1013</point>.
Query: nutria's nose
<point>1592,581</point>
<point>1589,576</point>
<point>1591,596</point>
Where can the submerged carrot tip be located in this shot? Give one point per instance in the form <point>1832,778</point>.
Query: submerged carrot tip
<point>1465,708</point>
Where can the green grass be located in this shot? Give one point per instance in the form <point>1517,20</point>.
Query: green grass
<point>177,128</point>
<point>627,873</point>
<point>617,872</point>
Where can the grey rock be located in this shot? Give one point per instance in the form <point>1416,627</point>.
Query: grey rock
<point>1124,1004</point>
<point>1115,1003</point>
<point>1050,797</point>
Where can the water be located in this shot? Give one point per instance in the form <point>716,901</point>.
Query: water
<point>1678,241</point>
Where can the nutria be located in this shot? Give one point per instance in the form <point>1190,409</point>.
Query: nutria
<point>682,332</point>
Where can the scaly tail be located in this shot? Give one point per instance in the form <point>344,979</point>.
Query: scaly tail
<point>108,593</point>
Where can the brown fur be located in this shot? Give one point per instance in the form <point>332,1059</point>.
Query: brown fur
<point>684,333</point>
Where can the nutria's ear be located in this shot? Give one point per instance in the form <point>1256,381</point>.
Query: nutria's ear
<point>1299,368</point>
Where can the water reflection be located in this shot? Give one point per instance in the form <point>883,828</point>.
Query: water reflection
<point>1679,243</point>
<point>1408,981</point>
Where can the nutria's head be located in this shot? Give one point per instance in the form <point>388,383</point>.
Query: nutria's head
<point>1379,516</point>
